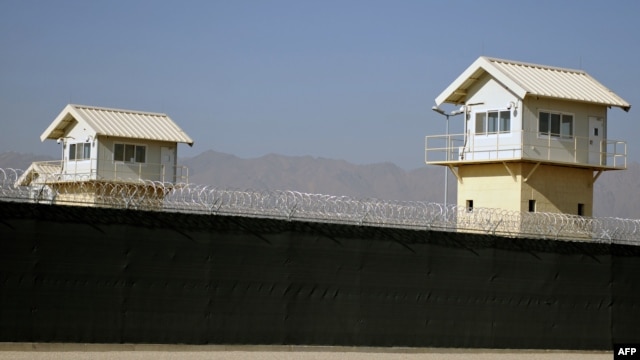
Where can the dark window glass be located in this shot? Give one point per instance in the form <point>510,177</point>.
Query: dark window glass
<point>544,123</point>
<point>480,123</point>
<point>118,152</point>
<point>555,124</point>
<point>492,122</point>
<point>129,151</point>
<point>566,129</point>
<point>87,151</point>
<point>505,121</point>
<point>72,151</point>
<point>141,154</point>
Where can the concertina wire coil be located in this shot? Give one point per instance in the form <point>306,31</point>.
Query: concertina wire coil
<point>300,206</point>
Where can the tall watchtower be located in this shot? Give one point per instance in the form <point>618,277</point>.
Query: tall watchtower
<point>535,137</point>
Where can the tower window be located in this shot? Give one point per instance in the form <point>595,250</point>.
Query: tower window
<point>557,125</point>
<point>469,205</point>
<point>492,122</point>
<point>130,153</point>
<point>80,151</point>
<point>532,206</point>
<point>580,209</point>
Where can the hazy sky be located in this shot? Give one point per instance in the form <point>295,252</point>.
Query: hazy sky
<point>352,80</point>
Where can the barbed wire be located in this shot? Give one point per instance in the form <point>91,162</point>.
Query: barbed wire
<point>294,205</point>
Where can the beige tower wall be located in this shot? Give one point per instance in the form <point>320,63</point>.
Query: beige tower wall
<point>555,189</point>
<point>118,194</point>
<point>109,169</point>
<point>558,189</point>
<point>75,193</point>
<point>490,186</point>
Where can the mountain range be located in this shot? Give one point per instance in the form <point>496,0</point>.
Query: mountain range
<point>615,192</point>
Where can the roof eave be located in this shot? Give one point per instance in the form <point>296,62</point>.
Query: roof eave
<point>187,140</point>
<point>622,104</point>
<point>448,93</point>
<point>48,133</point>
<point>482,63</point>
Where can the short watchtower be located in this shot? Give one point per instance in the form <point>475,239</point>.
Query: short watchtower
<point>108,152</point>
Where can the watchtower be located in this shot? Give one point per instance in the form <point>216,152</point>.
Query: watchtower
<point>108,151</point>
<point>535,137</point>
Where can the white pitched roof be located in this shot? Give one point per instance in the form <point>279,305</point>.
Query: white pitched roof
<point>39,172</point>
<point>117,122</point>
<point>530,79</point>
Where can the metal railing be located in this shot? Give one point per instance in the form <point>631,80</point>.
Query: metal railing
<point>525,145</point>
<point>293,205</point>
<point>109,170</point>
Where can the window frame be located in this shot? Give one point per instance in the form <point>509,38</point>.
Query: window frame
<point>135,150</point>
<point>497,121</point>
<point>560,117</point>
<point>79,153</point>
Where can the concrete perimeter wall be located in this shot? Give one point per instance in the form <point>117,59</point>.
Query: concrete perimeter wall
<point>91,275</point>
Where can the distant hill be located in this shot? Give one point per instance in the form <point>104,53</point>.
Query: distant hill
<point>616,192</point>
<point>318,175</point>
<point>14,160</point>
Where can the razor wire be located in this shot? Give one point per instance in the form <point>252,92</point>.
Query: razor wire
<point>301,206</point>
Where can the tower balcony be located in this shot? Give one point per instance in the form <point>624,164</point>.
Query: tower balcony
<point>58,172</point>
<point>459,149</point>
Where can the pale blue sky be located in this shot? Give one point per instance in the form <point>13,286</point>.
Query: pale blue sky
<point>352,80</point>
